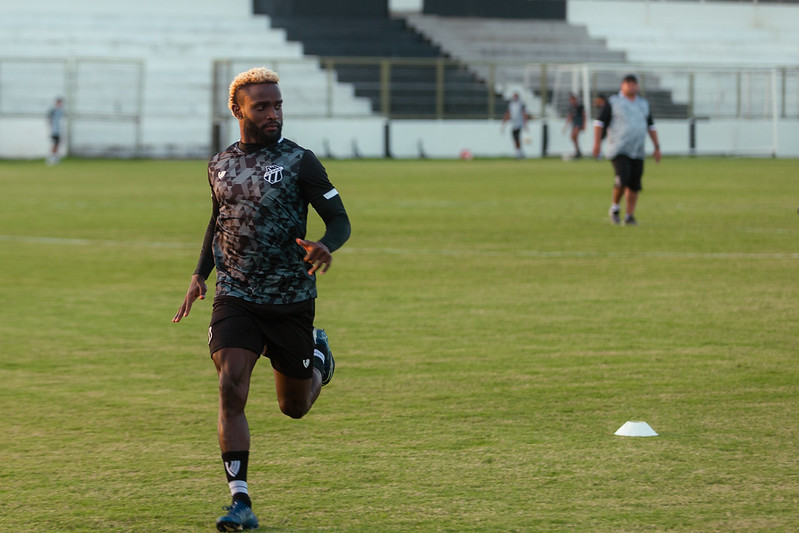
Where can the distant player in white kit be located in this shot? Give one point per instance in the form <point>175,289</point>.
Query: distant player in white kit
<point>518,117</point>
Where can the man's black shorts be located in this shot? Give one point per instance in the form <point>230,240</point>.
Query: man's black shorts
<point>282,332</point>
<point>628,172</point>
<point>517,135</point>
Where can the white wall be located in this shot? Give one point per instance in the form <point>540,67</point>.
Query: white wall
<point>445,139</point>
<point>158,8</point>
<point>24,138</point>
<point>405,6</point>
<point>28,138</point>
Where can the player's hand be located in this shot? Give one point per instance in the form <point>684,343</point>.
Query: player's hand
<point>197,289</point>
<point>656,155</point>
<point>317,255</point>
<point>596,151</point>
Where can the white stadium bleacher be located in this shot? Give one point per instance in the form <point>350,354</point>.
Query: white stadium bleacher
<point>149,78</point>
<point>151,68</point>
<point>511,44</point>
<point>694,33</point>
<point>620,31</point>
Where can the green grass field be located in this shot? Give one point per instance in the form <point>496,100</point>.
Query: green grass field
<point>492,331</point>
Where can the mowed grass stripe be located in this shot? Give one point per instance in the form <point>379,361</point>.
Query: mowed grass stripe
<point>402,251</point>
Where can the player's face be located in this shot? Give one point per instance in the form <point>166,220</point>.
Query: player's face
<point>629,89</point>
<point>260,113</point>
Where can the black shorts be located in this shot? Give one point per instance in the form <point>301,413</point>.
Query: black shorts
<point>517,135</point>
<point>628,172</point>
<point>282,332</point>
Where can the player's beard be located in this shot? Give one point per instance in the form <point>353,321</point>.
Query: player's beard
<point>258,135</point>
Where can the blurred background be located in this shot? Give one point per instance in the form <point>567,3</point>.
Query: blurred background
<point>395,78</point>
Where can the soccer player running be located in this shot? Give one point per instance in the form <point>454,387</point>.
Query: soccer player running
<point>628,119</point>
<point>261,187</point>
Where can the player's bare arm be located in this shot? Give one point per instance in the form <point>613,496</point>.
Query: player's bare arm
<point>317,255</point>
<point>653,134</point>
<point>597,140</point>
<point>197,289</point>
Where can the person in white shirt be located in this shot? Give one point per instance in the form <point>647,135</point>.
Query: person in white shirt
<point>627,118</point>
<point>518,117</point>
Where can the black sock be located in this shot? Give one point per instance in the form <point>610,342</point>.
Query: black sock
<point>245,498</point>
<point>236,472</point>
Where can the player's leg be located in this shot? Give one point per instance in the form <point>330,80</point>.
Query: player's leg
<point>289,335</point>
<point>234,367</point>
<point>632,190</point>
<point>296,396</point>
<point>234,341</point>
<point>53,157</point>
<point>573,137</point>
<point>631,200</point>
<point>517,142</point>
<point>302,360</point>
<point>621,168</point>
<point>618,192</point>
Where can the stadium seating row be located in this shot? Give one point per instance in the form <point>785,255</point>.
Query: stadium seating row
<point>510,45</point>
<point>662,33</point>
<point>147,74</point>
<point>413,87</point>
<point>165,87</point>
<point>744,34</point>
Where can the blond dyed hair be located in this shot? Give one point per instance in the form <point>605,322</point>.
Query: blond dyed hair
<point>253,76</point>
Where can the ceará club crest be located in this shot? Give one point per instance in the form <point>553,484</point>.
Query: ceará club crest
<point>273,173</point>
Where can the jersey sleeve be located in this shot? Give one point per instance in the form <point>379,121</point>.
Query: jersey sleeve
<point>205,264</point>
<point>605,115</point>
<point>326,201</point>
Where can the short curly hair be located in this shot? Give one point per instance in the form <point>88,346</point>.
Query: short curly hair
<point>250,77</point>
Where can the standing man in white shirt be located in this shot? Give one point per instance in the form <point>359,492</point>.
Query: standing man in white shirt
<point>628,119</point>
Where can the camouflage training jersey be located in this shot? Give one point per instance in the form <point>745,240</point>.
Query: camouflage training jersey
<point>260,196</point>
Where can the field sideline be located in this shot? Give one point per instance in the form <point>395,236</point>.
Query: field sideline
<point>491,330</point>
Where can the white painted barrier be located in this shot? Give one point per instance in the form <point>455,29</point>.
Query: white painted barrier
<point>25,138</point>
